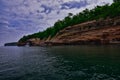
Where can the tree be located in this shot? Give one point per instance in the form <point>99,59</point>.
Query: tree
<point>116,0</point>
<point>70,14</point>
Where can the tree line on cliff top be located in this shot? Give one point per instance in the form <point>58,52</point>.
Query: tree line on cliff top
<point>116,0</point>
<point>98,12</point>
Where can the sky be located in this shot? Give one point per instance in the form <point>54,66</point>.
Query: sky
<point>23,17</point>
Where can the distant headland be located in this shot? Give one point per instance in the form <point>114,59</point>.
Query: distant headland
<point>11,44</point>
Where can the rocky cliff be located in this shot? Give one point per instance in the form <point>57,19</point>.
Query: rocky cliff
<point>93,32</point>
<point>102,31</point>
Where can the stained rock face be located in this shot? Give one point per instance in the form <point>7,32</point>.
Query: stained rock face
<point>92,32</point>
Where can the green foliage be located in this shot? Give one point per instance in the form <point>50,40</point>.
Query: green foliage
<point>87,15</point>
<point>116,0</point>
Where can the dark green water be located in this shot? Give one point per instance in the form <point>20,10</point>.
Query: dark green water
<point>60,63</point>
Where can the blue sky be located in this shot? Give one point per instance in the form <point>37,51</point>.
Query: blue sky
<point>22,17</point>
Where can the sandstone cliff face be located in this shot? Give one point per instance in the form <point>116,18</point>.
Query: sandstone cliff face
<point>92,32</point>
<point>102,31</point>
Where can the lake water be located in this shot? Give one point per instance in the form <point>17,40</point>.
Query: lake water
<point>60,63</point>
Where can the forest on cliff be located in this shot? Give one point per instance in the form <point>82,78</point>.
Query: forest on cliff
<point>99,12</point>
